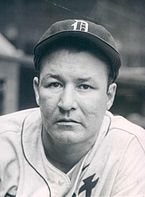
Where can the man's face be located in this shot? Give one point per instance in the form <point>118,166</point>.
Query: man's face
<point>72,95</point>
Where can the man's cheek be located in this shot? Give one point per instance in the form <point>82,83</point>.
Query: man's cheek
<point>48,103</point>
<point>89,108</point>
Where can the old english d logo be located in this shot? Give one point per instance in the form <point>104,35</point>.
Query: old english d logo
<point>80,25</point>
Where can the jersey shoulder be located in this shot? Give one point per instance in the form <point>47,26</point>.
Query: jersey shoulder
<point>14,121</point>
<point>127,128</point>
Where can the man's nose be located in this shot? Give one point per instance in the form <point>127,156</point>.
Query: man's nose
<point>67,100</point>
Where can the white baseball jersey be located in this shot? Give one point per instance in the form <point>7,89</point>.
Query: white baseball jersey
<point>114,167</point>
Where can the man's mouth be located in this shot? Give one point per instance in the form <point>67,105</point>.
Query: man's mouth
<point>67,122</point>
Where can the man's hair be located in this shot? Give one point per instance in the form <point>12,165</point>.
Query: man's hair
<point>76,45</point>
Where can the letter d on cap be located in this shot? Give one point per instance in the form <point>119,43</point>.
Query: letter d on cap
<point>80,25</point>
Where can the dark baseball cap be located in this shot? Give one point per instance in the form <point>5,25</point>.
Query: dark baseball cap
<point>87,30</point>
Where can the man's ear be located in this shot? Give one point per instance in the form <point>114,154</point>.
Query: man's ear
<point>36,89</point>
<point>111,95</point>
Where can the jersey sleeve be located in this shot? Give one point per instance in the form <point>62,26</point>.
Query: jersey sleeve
<point>8,169</point>
<point>130,180</point>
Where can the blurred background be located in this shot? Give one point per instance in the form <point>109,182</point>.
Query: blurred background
<point>22,22</point>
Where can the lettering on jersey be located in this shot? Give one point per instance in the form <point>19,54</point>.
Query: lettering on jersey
<point>88,186</point>
<point>80,25</point>
<point>9,195</point>
<point>84,168</point>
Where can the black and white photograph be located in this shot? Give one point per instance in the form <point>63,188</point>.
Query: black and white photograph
<point>72,98</point>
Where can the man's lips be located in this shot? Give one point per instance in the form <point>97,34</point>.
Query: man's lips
<point>67,122</point>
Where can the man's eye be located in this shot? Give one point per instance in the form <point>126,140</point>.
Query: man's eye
<point>85,87</point>
<point>55,85</point>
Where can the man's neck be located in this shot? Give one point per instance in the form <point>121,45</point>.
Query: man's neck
<point>64,156</point>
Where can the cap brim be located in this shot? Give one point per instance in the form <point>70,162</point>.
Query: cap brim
<point>109,50</point>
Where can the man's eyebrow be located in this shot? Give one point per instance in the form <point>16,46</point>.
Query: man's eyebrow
<point>55,76</point>
<point>84,79</point>
<point>52,76</point>
<point>58,77</point>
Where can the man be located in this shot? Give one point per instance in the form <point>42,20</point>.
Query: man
<point>71,145</point>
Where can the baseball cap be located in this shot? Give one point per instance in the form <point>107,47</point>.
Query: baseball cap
<point>87,30</point>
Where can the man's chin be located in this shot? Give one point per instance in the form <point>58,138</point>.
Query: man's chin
<point>68,137</point>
